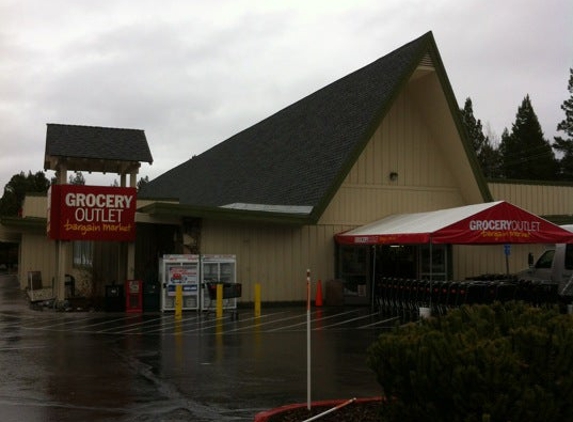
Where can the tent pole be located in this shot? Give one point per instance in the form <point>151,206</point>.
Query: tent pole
<point>431,272</point>
<point>373,282</point>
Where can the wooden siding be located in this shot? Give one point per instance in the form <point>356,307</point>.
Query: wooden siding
<point>35,206</point>
<point>278,257</point>
<point>490,259</point>
<point>538,199</point>
<point>38,253</point>
<point>402,144</point>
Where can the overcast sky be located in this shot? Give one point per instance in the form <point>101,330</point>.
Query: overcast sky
<point>193,73</point>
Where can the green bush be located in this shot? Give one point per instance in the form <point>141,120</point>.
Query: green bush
<point>497,363</point>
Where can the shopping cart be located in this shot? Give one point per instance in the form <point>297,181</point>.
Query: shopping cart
<point>231,291</point>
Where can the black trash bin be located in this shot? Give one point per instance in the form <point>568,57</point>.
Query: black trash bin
<point>151,297</point>
<point>114,298</point>
<point>70,286</point>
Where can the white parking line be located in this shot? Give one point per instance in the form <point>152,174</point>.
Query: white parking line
<point>346,321</point>
<point>281,320</point>
<point>273,321</point>
<point>384,321</point>
<point>303,323</point>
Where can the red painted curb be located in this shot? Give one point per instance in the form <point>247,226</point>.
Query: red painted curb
<point>266,414</point>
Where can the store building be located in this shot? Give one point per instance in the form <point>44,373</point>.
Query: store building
<point>386,139</point>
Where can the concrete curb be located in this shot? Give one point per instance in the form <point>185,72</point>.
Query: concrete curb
<point>265,415</point>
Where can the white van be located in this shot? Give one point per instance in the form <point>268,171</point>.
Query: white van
<point>554,264</point>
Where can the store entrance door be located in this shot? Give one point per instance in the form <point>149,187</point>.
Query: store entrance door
<point>359,266</point>
<point>396,261</point>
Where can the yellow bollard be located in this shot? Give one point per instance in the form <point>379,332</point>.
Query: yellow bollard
<point>178,301</point>
<point>257,300</point>
<point>219,310</point>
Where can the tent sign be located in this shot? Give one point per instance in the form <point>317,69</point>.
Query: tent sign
<point>488,223</point>
<point>78,212</point>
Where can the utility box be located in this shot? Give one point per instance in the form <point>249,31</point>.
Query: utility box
<point>134,296</point>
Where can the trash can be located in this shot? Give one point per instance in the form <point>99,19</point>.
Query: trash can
<point>151,297</point>
<point>70,285</point>
<point>114,298</point>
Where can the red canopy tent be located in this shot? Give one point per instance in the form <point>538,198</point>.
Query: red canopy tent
<point>480,224</point>
<point>489,223</point>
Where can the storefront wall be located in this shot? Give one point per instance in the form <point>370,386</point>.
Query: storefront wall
<point>277,257</point>
<point>38,253</point>
<point>540,199</point>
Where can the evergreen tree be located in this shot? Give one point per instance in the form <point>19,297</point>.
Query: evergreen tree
<point>77,179</point>
<point>17,188</point>
<point>525,153</point>
<point>565,145</point>
<point>142,182</point>
<point>487,155</point>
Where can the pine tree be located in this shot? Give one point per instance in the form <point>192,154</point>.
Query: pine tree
<point>77,179</point>
<point>17,188</point>
<point>565,145</point>
<point>487,155</point>
<point>525,153</point>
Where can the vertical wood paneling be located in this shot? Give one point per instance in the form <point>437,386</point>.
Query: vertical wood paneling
<point>275,256</point>
<point>39,255</point>
<point>483,259</point>
<point>538,199</point>
<point>35,206</point>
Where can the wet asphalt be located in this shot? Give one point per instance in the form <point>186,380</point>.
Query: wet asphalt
<point>96,366</point>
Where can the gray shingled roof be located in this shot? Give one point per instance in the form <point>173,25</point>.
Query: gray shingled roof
<point>97,143</point>
<point>300,155</point>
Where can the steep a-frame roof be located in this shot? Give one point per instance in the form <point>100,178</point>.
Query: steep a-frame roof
<point>94,148</point>
<point>293,162</point>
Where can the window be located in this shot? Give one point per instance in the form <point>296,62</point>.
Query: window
<point>438,256</point>
<point>83,253</point>
<point>546,259</point>
<point>569,256</point>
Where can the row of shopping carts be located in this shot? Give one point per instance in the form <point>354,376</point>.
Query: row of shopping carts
<point>398,296</point>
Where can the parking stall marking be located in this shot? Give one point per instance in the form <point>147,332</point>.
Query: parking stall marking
<point>217,323</point>
<point>191,323</point>
<point>68,322</point>
<point>321,318</point>
<point>125,329</point>
<point>258,325</point>
<point>345,322</point>
<point>169,322</point>
<point>381,322</point>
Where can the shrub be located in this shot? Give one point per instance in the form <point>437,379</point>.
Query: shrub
<point>498,363</point>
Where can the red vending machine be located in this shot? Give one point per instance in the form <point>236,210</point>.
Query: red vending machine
<point>134,296</point>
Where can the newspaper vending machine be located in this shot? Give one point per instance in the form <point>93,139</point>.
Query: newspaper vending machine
<point>179,270</point>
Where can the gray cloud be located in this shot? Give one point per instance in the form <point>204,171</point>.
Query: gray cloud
<point>191,74</point>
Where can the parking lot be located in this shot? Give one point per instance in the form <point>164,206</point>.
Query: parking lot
<point>272,320</point>
<point>147,367</point>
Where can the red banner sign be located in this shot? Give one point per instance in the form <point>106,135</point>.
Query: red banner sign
<point>78,212</point>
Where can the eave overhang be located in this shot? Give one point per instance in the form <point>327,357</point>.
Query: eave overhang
<point>24,223</point>
<point>222,213</point>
